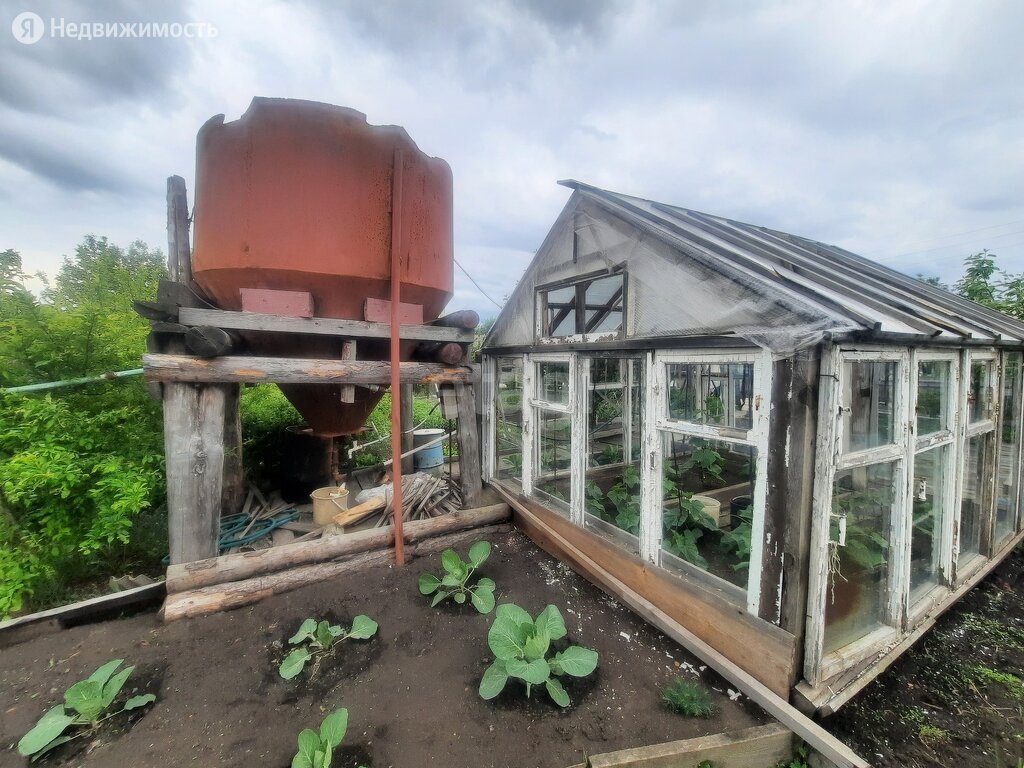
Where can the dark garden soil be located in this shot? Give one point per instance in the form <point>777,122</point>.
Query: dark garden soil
<point>956,698</point>
<point>411,691</point>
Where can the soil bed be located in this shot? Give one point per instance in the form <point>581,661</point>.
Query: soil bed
<point>411,691</point>
<point>956,698</point>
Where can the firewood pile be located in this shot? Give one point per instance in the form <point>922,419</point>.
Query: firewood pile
<point>423,497</point>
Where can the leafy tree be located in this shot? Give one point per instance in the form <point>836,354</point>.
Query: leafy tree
<point>986,284</point>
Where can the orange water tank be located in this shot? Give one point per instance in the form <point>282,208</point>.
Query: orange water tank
<point>297,195</point>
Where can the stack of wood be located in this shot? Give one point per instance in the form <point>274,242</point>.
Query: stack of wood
<point>424,497</point>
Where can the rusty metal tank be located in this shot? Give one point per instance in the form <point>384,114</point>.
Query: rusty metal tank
<point>296,195</point>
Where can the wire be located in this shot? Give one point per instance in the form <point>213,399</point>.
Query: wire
<point>966,244</point>
<point>966,232</point>
<point>474,282</point>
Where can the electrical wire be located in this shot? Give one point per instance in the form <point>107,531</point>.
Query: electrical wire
<point>474,282</point>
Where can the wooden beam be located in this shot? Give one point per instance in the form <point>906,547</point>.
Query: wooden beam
<point>194,450</point>
<point>756,747</point>
<point>827,745</point>
<point>408,463</point>
<point>233,487</point>
<point>319,326</point>
<point>470,472</point>
<point>285,370</point>
<point>179,251</point>
<point>243,565</point>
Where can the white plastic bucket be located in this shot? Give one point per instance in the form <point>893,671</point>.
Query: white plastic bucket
<point>327,502</point>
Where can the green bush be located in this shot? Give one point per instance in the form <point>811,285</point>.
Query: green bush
<point>265,413</point>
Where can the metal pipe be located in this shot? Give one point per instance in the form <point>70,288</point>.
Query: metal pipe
<point>396,357</point>
<point>73,382</point>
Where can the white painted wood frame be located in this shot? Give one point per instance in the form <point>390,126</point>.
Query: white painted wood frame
<point>536,405</point>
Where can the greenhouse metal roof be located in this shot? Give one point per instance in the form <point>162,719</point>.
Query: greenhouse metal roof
<point>839,284</point>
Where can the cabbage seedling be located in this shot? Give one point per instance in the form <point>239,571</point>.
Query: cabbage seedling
<point>85,704</point>
<point>520,646</point>
<point>457,575</point>
<point>315,749</point>
<point>318,638</point>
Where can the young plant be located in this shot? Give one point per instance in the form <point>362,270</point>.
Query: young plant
<point>687,697</point>
<point>315,749</point>
<point>85,704</point>
<point>521,645</point>
<point>319,638</point>
<point>456,577</point>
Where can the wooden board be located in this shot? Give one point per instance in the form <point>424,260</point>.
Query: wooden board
<point>761,649</point>
<point>283,370</point>
<point>762,746</point>
<point>379,311</point>
<point>275,302</point>
<point>320,326</point>
<point>831,749</point>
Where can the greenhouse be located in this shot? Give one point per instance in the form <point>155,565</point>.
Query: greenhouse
<point>800,455</point>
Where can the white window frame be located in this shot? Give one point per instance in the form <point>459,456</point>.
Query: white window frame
<point>756,436</point>
<point>570,409</point>
<point>1019,460</point>
<point>490,376</point>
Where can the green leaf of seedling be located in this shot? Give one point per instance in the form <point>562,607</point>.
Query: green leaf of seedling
<point>429,584</point>
<point>363,628</point>
<point>550,620</point>
<point>52,745</point>
<point>441,595</point>
<point>324,636</point>
<point>485,584</point>
<point>460,597</point>
<point>139,701</point>
<point>103,674</point>
<point>302,761</point>
<point>479,552</point>
<point>324,756</point>
<point>557,692</point>
<point>451,580</point>
<point>513,612</point>
<point>332,729</point>
<point>451,561</point>
<point>85,698</point>
<point>537,646</point>
<point>534,672</point>
<point>50,726</point>
<point>483,600</point>
<point>577,661</point>
<point>306,631</point>
<point>494,680</point>
<point>114,685</point>
<point>294,662</point>
<point>503,638</point>
<point>309,743</point>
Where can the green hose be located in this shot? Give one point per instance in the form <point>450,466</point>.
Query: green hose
<point>232,526</point>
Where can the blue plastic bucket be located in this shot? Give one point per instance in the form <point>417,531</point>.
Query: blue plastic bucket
<point>430,457</point>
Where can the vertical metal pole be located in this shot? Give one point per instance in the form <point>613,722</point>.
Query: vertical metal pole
<point>396,399</point>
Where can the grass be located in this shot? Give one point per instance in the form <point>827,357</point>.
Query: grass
<point>687,697</point>
<point>930,735</point>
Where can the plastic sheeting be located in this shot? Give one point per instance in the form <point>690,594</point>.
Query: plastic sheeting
<point>673,287</point>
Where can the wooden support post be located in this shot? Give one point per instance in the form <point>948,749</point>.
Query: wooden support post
<point>194,448</point>
<point>348,352</point>
<point>233,487</point>
<point>179,252</point>
<point>470,474</point>
<point>407,425</point>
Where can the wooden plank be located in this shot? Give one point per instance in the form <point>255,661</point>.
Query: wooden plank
<point>829,747</point>
<point>470,474</point>
<point>194,449</point>
<point>242,565</point>
<point>379,311</point>
<point>348,352</point>
<point>274,302</point>
<point>759,648</point>
<point>233,487</point>
<point>179,251</point>
<point>757,747</point>
<point>284,370</point>
<point>222,597</point>
<point>405,393</point>
<point>353,515</point>
<point>30,626</point>
<point>319,326</point>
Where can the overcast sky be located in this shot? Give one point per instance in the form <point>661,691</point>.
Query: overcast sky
<point>894,129</point>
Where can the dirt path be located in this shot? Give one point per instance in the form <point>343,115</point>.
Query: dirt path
<point>411,692</point>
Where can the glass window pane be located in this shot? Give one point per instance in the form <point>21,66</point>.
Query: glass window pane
<point>719,394</point>
<point>1009,452</point>
<point>869,389</point>
<point>857,592</point>
<point>554,457</point>
<point>979,397</point>
<point>508,422</point>
<point>560,311</point>
<point>553,382</point>
<point>933,393</point>
<point>707,505</point>
<point>607,416</point>
<point>604,305</point>
<point>929,489</point>
<point>976,494</point>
